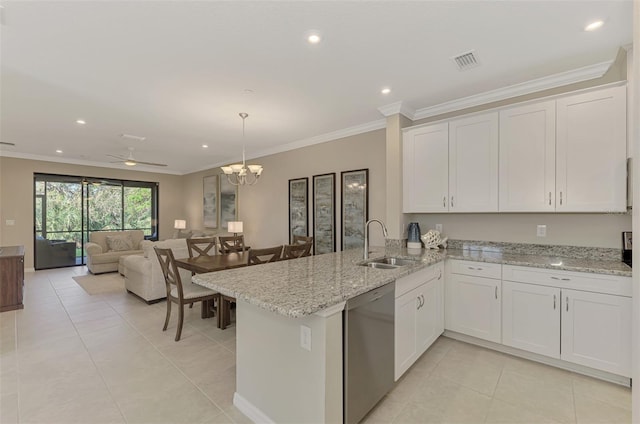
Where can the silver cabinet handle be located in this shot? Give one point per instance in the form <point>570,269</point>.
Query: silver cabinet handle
<point>554,302</point>
<point>419,305</point>
<point>560,198</point>
<point>561,279</point>
<point>549,198</point>
<point>439,274</point>
<point>451,201</point>
<point>567,303</point>
<point>496,292</point>
<point>422,296</point>
<point>444,201</point>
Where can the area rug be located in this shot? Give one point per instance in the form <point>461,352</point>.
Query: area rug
<point>98,284</point>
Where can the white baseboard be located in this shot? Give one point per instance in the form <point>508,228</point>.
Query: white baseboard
<point>248,409</point>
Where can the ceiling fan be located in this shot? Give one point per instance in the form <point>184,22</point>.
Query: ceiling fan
<point>131,161</point>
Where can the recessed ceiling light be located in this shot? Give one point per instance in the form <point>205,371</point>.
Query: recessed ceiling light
<point>313,38</point>
<point>594,25</point>
<point>80,122</point>
<point>58,151</point>
<point>204,146</point>
<point>385,90</point>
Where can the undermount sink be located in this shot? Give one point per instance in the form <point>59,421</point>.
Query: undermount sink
<point>387,263</point>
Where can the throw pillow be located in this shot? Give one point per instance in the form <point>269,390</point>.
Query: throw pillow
<point>147,248</point>
<point>119,243</point>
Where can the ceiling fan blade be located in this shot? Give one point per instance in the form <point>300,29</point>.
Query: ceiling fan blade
<point>150,163</point>
<point>117,157</point>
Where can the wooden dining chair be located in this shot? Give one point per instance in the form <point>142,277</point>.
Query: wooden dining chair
<point>199,246</point>
<point>256,257</point>
<point>293,251</point>
<point>302,239</point>
<point>263,256</point>
<point>180,293</point>
<point>231,244</point>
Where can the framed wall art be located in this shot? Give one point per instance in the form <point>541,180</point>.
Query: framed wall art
<point>228,202</point>
<point>355,207</point>
<point>298,208</point>
<point>324,213</point>
<point>210,201</point>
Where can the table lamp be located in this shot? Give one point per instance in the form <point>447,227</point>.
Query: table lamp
<point>235,227</point>
<point>179,224</point>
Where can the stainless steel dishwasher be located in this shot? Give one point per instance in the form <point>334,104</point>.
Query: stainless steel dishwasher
<point>368,332</point>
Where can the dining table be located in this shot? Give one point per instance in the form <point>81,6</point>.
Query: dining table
<point>204,263</point>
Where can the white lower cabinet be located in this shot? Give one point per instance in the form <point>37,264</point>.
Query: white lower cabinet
<point>531,318</point>
<point>596,331</point>
<point>472,299</point>
<point>548,316</point>
<point>419,318</point>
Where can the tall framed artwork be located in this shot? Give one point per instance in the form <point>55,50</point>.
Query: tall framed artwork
<point>324,213</point>
<point>298,208</point>
<point>355,207</point>
<point>210,201</point>
<point>228,202</point>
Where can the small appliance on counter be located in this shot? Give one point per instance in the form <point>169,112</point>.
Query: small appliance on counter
<point>627,247</point>
<point>413,236</point>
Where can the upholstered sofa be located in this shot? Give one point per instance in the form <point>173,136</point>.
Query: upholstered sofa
<point>143,274</point>
<point>105,248</point>
<point>54,253</point>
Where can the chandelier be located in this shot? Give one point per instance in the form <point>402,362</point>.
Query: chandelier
<point>241,173</point>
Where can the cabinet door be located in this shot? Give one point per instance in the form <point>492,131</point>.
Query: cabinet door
<point>591,152</point>
<point>406,323</point>
<point>531,318</point>
<point>596,331</point>
<point>527,158</point>
<point>425,169</point>
<point>473,306</point>
<point>430,315</point>
<point>473,164</point>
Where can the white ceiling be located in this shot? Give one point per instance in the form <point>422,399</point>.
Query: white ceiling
<point>176,72</point>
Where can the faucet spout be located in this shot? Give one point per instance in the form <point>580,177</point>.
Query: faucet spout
<point>366,235</point>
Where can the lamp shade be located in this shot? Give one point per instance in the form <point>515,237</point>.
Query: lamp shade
<point>179,224</point>
<point>235,226</point>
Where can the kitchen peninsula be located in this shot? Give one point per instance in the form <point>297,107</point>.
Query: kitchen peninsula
<point>279,380</point>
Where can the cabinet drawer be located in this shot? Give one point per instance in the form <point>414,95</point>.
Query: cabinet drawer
<point>597,283</point>
<point>411,281</point>
<point>478,269</point>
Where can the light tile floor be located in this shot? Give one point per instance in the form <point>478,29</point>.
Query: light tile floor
<point>70,357</point>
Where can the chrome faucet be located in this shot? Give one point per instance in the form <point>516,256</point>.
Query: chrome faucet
<point>366,235</point>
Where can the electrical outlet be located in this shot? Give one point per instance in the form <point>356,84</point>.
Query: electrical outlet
<point>305,337</point>
<point>439,227</point>
<point>541,231</point>
<point>10,222</point>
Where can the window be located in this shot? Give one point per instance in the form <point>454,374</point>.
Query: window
<point>67,209</point>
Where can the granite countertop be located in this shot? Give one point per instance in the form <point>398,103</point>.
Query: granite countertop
<point>308,285</point>
<point>299,287</point>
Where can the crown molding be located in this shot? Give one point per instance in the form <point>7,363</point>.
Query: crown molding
<point>137,168</point>
<point>552,81</point>
<point>398,108</point>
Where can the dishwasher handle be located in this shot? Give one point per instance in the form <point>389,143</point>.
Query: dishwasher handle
<point>370,296</point>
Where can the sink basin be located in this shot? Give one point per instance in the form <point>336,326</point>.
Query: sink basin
<point>387,263</point>
<point>379,265</point>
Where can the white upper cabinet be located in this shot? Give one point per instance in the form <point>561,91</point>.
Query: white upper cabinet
<point>562,155</point>
<point>591,152</point>
<point>528,158</point>
<point>425,169</point>
<point>473,164</point>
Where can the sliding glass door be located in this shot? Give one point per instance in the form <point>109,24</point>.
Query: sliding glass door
<point>67,209</point>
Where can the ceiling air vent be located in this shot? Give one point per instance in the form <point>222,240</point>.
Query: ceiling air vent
<point>466,60</point>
